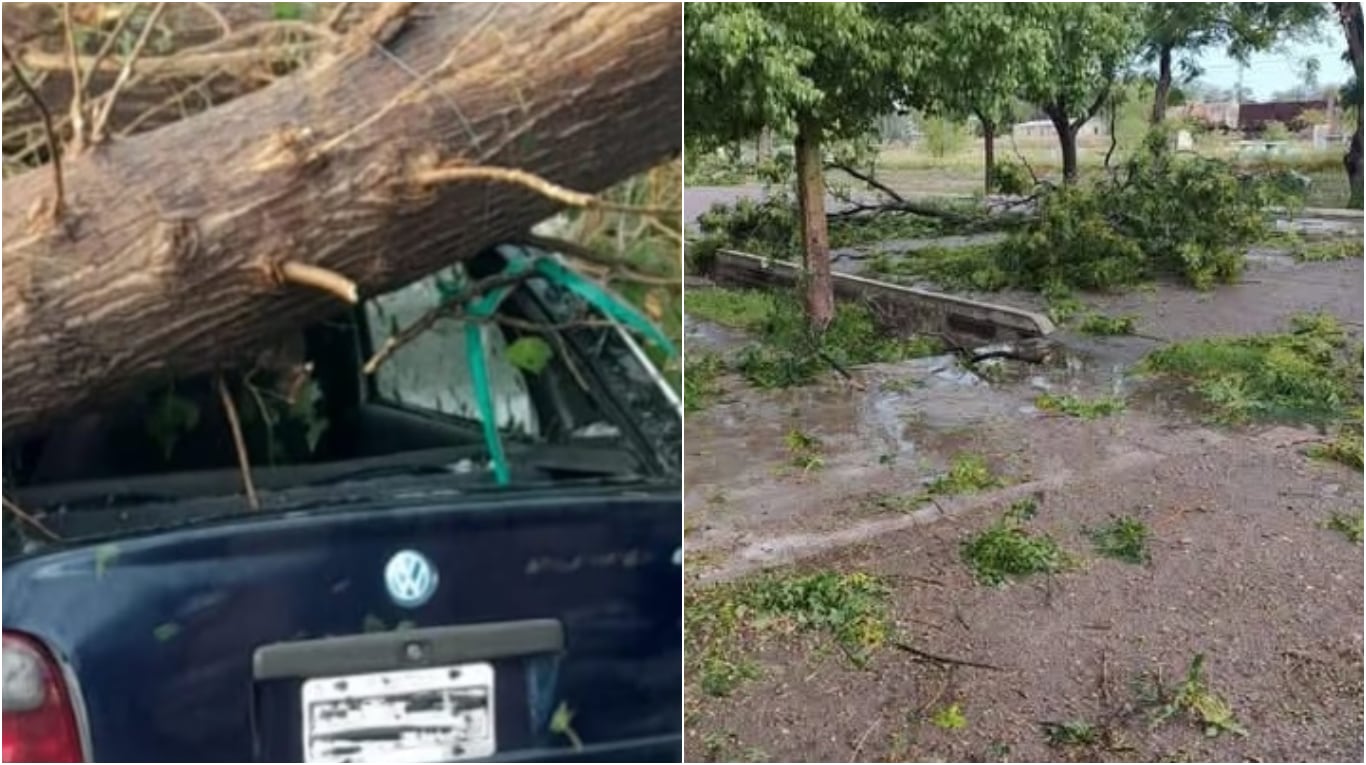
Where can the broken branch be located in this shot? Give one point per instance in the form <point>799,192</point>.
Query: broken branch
<point>239,444</point>
<point>927,656</point>
<point>30,520</point>
<point>98,125</point>
<point>318,278</point>
<point>54,151</point>
<point>547,189</point>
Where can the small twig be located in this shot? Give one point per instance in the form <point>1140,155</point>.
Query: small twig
<point>108,46</point>
<point>429,319</point>
<point>384,23</point>
<point>53,149</point>
<point>30,520</point>
<point>619,270</point>
<point>217,17</point>
<point>518,177</point>
<point>239,443</point>
<point>334,18</point>
<point>868,179</point>
<point>1015,148</point>
<point>927,656</point>
<point>77,81</point>
<point>97,127</point>
<point>318,278</point>
<point>858,745</point>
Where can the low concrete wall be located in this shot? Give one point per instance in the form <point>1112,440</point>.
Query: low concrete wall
<point>905,310</point>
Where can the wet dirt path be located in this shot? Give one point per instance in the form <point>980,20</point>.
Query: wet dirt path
<point>1242,570</point>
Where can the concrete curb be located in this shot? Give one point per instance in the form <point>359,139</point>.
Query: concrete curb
<point>906,309</point>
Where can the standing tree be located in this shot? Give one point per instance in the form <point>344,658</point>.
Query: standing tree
<point>977,57</point>
<point>1086,48</point>
<point>820,71</point>
<point>1184,30</point>
<point>1349,15</point>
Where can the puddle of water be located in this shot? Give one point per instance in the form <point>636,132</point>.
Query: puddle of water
<point>706,336</point>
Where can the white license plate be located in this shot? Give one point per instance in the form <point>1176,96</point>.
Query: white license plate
<point>435,714</point>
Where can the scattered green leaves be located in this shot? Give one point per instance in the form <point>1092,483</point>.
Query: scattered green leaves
<point>1070,733</point>
<point>105,556</point>
<point>1100,324</point>
<point>1076,406</point>
<point>968,474</point>
<point>1125,538</point>
<point>562,724</point>
<point>804,450</point>
<point>1202,706</point>
<point>1348,525</point>
<point>1304,375</point>
<point>701,384</point>
<point>166,632</point>
<point>530,354</point>
<point>1005,549</point>
<point>949,717</point>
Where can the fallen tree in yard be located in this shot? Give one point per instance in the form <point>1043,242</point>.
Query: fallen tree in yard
<point>423,135</point>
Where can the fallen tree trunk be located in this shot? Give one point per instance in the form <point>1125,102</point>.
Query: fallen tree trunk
<point>165,259</point>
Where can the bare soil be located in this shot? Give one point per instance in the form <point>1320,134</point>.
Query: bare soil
<point>1241,571</point>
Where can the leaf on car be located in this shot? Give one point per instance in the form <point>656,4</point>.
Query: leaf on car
<point>166,632</point>
<point>530,354</point>
<point>105,555</point>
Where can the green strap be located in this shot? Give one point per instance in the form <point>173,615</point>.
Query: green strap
<point>610,305</point>
<point>483,396</point>
<point>485,306</point>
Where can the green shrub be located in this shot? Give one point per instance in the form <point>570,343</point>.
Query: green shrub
<point>1011,178</point>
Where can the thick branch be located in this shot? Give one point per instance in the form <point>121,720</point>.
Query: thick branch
<point>161,270</point>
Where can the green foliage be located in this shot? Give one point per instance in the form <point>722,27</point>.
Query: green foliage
<point>722,621</point>
<point>1125,538</point>
<point>1194,699</point>
<point>942,136</point>
<point>171,417</point>
<point>968,474</point>
<point>1300,375</point>
<point>789,354</point>
<point>804,450</point>
<point>709,168</point>
<point>1005,549</point>
<point>775,65</point>
<point>1011,178</point>
<point>1345,446</point>
<point>700,380</point>
<point>762,228</point>
<point>1081,408</point>
<point>288,11</point>
<point>1350,526</point>
<point>1100,324</point>
<point>851,232</point>
<point>530,354</point>
<point>1191,216</point>
<point>974,267</point>
<point>742,309</point>
<point>1275,130</point>
<point>1326,250</point>
<point>562,724</point>
<point>949,717</point>
<point>1070,733</point>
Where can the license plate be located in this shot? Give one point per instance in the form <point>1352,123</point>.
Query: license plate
<point>434,714</point>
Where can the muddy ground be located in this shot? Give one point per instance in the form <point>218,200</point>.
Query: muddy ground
<point>1241,571</point>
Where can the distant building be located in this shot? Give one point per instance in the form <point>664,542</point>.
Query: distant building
<point>1220,115</point>
<point>1253,118</point>
<point>1037,129</point>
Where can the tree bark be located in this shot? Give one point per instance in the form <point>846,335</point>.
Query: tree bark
<point>1164,85</point>
<point>1067,141</point>
<point>989,154</point>
<point>820,289</point>
<point>166,260</point>
<point>1349,14</point>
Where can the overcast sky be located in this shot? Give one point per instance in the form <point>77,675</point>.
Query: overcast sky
<point>1277,70</point>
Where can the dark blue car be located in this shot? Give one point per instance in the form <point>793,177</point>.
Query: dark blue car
<point>391,599</point>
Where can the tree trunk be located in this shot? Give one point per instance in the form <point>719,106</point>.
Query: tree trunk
<point>1067,140</point>
<point>1349,14</point>
<point>165,260</point>
<point>1164,85</point>
<point>989,154</point>
<point>764,145</point>
<point>820,289</point>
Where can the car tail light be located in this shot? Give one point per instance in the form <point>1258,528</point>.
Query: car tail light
<point>39,717</point>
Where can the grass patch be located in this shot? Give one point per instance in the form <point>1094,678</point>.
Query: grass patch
<point>1125,538</point>
<point>1345,446</point>
<point>1006,550</point>
<point>968,474</point>
<point>949,717</point>
<point>1100,324</point>
<point>1303,375</point>
<point>804,450</point>
<point>1082,408</point>
<point>701,383</point>
<point>720,621</point>
<point>1070,733</point>
<point>1350,526</point>
<point>1193,699</point>
<point>851,232</point>
<point>740,309</point>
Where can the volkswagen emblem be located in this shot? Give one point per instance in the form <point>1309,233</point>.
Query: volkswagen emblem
<point>411,578</point>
